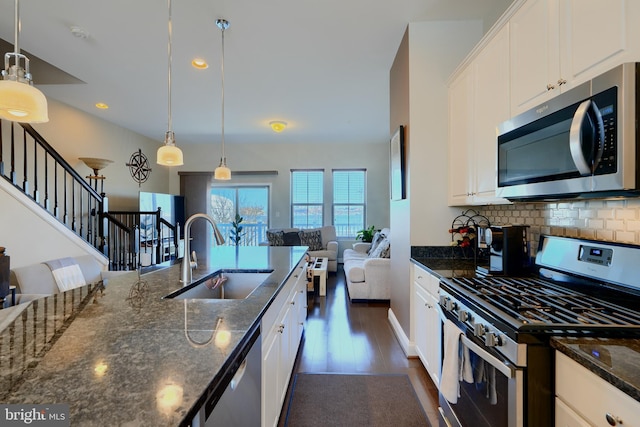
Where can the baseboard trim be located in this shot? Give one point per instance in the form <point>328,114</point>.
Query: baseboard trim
<point>408,347</point>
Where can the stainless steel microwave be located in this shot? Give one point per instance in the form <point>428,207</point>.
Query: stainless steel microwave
<point>582,143</point>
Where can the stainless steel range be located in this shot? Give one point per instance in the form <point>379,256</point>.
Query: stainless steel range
<point>582,287</point>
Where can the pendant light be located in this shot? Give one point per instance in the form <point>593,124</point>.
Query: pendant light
<point>169,154</point>
<point>222,172</point>
<point>19,100</point>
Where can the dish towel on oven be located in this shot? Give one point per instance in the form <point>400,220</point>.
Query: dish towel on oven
<point>451,366</point>
<point>484,375</point>
<point>66,273</point>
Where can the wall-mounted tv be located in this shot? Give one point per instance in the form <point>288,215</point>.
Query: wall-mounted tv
<point>172,208</point>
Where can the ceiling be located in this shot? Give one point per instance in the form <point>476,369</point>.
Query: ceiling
<point>321,66</point>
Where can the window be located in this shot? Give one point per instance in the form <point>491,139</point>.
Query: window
<point>251,203</point>
<point>348,201</point>
<point>306,198</point>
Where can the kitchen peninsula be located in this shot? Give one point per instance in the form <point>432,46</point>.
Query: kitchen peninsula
<point>128,356</point>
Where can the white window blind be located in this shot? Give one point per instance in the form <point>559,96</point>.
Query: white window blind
<point>349,201</point>
<point>307,198</point>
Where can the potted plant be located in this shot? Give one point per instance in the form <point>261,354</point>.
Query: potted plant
<point>366,235</point>
<point>236,230</point>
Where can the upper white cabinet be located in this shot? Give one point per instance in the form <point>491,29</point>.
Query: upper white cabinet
<point>558,44</point>
<point>461,119</point>
<point>492,107</point>
<point>478,103</point>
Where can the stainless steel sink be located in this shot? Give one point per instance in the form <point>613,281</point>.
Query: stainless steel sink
<point>236,285</point>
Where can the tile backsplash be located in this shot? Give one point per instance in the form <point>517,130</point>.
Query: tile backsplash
<point>611,220</point>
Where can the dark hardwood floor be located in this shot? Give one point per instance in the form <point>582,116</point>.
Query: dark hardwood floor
<point>346,337</point>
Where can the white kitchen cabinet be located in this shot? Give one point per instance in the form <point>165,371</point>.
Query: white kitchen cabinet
<point>282,327</point>
<point>589,399</point>
<point>461,164</point>
<point>478,102</point>
<point>558,44</point>
<point>427,324</point>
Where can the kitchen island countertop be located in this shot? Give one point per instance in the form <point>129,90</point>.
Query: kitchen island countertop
<point>129,357</point>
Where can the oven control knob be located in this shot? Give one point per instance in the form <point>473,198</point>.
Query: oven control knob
<point>463,316</point>
<point>443,300</point>
<point>492,340</point>
<point>479,329</point>
<point>450,305</point>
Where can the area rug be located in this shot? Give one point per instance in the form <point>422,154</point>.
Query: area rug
<point>350,400</point>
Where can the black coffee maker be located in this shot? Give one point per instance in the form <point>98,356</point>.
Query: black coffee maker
<point>508,250</point>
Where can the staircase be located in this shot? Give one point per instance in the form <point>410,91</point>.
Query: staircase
<point>39,172</point>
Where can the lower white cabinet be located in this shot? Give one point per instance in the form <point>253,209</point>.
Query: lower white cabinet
<point>427,324</point>
<point>282,327</point>
<point>585,399</point>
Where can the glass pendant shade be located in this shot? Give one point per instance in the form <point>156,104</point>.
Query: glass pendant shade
<point>19,100</point>
<point>222,172</point>
<point>169,154</point>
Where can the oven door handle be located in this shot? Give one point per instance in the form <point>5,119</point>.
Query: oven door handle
<point>506,370</point>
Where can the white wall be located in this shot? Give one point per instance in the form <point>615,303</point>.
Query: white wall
<point>435,50</point>
<point>74,133</point>
<point>374,157</point>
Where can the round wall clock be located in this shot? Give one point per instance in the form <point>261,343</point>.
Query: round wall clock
<point>139,167</point>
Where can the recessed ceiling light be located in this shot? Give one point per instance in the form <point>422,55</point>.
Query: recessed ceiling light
<point>199,63</point>
<point>79,32</point>
<point>102,106</point>
<point>278,126</point>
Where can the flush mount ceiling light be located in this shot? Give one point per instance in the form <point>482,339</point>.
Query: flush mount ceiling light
<point>102,106</point>
<point>278,126</point>
<point>222,172</point>
<point>19,100</point>
<point>169,154</point>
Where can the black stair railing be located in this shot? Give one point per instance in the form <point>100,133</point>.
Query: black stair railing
<point>36,169</point>
<point>155,240</point>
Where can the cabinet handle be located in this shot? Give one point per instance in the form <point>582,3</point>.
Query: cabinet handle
<point>561,81</point>
<point>550,87</point>
<point>612,420</point>
<point>419,277</point>
<point>281,328</point>
<point>293,303</point>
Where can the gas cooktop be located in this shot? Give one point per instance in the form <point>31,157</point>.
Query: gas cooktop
<point>537,304</point>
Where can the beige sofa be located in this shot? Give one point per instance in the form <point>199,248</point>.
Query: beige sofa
<point>37,280</point>
<point>368,273</point>
<point>326,248</point>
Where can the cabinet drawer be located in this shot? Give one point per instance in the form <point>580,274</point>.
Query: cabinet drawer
<point>426,280</point>
<point>566,417</point>
<point>593,398</point>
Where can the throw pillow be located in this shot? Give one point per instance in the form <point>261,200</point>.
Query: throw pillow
<point>383,250</point>
<point>275,238</point>
<point>313,239</point>
<point>377,238</point>
<point>291,238</point>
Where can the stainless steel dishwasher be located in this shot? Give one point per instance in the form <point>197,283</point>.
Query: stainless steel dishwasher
<point>240,403</point>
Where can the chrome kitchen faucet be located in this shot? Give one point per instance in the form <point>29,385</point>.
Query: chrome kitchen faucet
<point>186,275</point>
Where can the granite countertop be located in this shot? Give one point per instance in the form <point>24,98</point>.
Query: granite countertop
<point>129,357</point>
<point>616,360</point>
<point>447,267</point>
